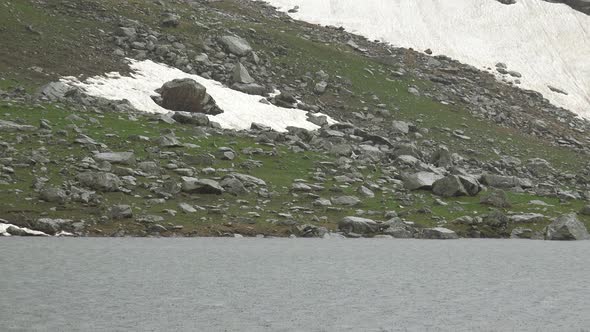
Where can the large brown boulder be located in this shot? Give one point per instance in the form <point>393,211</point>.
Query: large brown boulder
<point>187,95</point>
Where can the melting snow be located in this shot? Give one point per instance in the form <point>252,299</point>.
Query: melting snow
<point>548,43</point>
<point>4,228</point>
<point>240,109</point>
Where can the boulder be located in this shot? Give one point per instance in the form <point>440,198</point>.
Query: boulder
<point>496,198</point>
<point>53,195</point>
<point>121,211</point>
<point>233,186</point>
<point>526,218</point>
<point>241,74</point>
<point>197,119</point>
<point>54,91</point>
<point>346,200</point>
<point>566,227</point>
<point>251,88</point>
<point>500,181</point>
<point>308,230</point>
<point>438,233</point>
<point>399,229</point>
<point>420,180</point>
<point>358,225</point>
<point>51,226</point>
<point>125,158</point>
<point>400,127</point>
<point>187,95</point>
<point>585,210</point>
<point>449,186</point>
<point>186,208</point>
<point>201,186</point>
<point>100,181</point>
<point>470,183</point>
<point>236,45</point>
<point>168,141</point>
<point>9,126</point>
<point>149,167</point>
<point>525,233</point>
<point>170,20</point>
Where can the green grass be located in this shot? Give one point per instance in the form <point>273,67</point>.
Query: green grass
<point>63,49</point>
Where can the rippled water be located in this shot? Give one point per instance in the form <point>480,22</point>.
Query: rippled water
<point>293,285</point>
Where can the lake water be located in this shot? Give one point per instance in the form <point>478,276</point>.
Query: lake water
<point>198,284</point>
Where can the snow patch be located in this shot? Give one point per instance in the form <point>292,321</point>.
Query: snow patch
<point>240,109</point>
<point>4,228</point>
<point>548,43</point>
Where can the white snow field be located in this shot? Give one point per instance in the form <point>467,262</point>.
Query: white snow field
<point>240,109</point>
<point>548,43</point>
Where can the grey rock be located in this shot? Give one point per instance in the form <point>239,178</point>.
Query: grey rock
<point>236,45</point>
<point>201,186</point>
<point>156,228</point>
<point>54,91</point>
<point>308,230</point>
<point>345,200</point>
<point>51,226</point>
<point>470,183</point>
<point>170,20</point>
<point>366,192</point>
<point>400,127</point>
<point>526,218</point>
<point>300,186</point>
<point>438,233</point>
<point>358,225</point>
<point>251,88</point>
<point>585,210</point>
<point>323,202</point>
<point>121,211</point>
<point>420,180</point>
<point>125,158</point>
<point>186,208</point>
<point>499,181</point>
<point>168,141</point>
<point>496,198</point>
<point>197,119</point>
<point>521,233</point>
<point>320,87</point>
<point>566,227</point>
<point>249,180</point>
<point>101,181</point>
<point>9,126</point>
<point>186,95</point>
<point>233,186</point>
<point>149,167</point>
<point>241,74</point>
<point>399,230</point>
<point>449,186</point>
<point>53,195</point>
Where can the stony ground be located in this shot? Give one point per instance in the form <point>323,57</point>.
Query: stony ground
<point>426,147</point>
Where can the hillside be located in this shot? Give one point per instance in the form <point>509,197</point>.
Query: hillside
<point>422,145</point>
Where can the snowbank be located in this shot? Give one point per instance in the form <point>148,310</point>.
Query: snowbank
<point>240,109</point>
<point>4,228</point>
<point>549,44</point>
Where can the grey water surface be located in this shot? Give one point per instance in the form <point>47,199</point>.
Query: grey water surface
<point>201,284</point>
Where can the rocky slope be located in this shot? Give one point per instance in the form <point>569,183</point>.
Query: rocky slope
<point>425,146</point>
